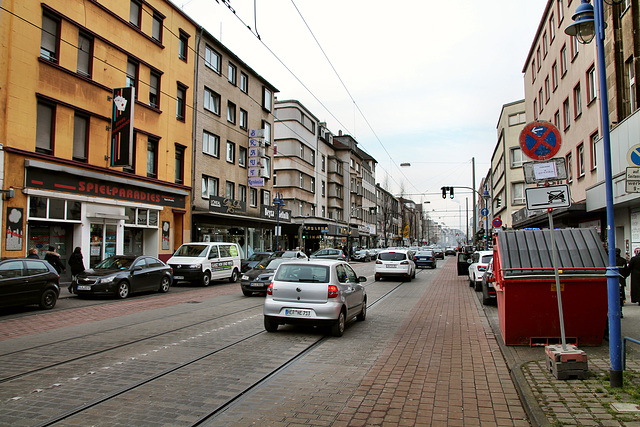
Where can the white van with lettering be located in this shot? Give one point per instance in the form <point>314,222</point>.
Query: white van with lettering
<point>206,261</point>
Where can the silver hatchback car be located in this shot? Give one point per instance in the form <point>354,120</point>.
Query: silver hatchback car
<point>315,292</point>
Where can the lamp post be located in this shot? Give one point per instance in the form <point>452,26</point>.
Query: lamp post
<point>486,196</point>
<point>589,23</point>
<point>278,201</point>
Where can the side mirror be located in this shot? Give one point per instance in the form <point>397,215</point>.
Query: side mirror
<point>362,279</point>
<point>469,261</point>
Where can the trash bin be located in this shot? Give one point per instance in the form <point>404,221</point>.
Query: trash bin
<point>526,290</point>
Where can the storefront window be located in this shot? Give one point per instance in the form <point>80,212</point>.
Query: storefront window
<point>56,208</point>
<point>45,208</point>
<point>73,210</point>
<point>37,207</point>
<point>95,254</point>
<point>130,213</point>
<point>110,240</point>
<point>153,218</point>
<point>142,217</point>
<point>133,240</point>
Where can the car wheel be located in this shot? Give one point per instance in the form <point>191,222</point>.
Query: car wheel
<point>363,313</point>
<point>478,286</point>
<point>270,325</point>
<point>247,293</point>
<point>377,278</point>
<point>206,279</point>
<point>338,328</point>
<point>122,291</point>
<point>485,295</point>
<point>165,284</point>
<point>234,276</point>
<point>433,266</point>
<point>414,274</point>
<point>471,281</point>
<point>48,299</point>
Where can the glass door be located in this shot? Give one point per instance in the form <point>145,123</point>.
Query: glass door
<point>103,242</point>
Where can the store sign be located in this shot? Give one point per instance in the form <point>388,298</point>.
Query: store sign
<point>122,126</point>
<point>225,205</point>
<point>44,179</point>
<point>270,212</point>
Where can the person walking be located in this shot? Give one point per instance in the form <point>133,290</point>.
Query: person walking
<point>53,258</point>
<point>76,263</point>
<point>33,253</point>
<point>622,272</point>
<point>633,269</point>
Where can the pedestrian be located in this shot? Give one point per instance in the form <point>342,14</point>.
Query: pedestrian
<point>633,269</point>
<point>33,253</point>
<point>53,258</point>
<point>622,277</point>
<point>76,263</point>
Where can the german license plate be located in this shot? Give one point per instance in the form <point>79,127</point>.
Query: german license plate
<point>390,266</point>
<point>178,277</point>
<point>255,284</point>
<point>84,287</point>
<point>297,312</point>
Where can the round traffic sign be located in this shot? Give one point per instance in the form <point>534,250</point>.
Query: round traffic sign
<point>484,212</point>
<point>540,140</point>
<point>633,155</point>
<point>497,222</point>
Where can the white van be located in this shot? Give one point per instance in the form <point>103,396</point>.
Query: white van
<point>205,261</point>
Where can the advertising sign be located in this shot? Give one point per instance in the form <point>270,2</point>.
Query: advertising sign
<point>122,126</point>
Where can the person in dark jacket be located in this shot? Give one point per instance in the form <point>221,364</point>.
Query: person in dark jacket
<point>76,263</point>
<point>53,258</point>
<point>633,269</point>
<point>622,271</point>
<point>33,253</point>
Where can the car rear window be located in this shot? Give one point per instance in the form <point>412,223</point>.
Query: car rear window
<point>486,259</point>
<point>424,253</point>
<point>392,256</point>
<point>302,273</point>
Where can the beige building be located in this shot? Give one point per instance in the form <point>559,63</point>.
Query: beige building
<point>232,180</point>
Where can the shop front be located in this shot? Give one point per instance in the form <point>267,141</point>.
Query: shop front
<point>66,207</point>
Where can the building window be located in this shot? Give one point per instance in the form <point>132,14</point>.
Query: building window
<point>152,158</point>
<point>244,82</point>
<point>154,90</point>
<point>179,164</point>
<point>211,101</point>
<point>546,90</point>
<point>132,75</point>
<point>233,72</point>
<point>313,185</point>
<point>560,10</point>
<point>545,45</point>
<point>577,101</point>
<point>301,184</point>
<point>80,137</point>
<point>50,38</point>
<point>266,98</point>
<point>554,76</point>
<point>552,27</point>
<point>517,119</point>
<point>517,158</point>
<point>517,193</point>
<point>44,128</point>
<point>212,59</point>
<point>210,144</point>
<point>566,111</point>
<point>535,108</point>
<point>156,31</point>
<point>556,119</point>
<point>533,71</point>
<point>231,152</point>
<point>253,197</point>
<point>181,106</point>
<point>209,186</point>
<point>591,84</point>
<point>242,157</point>
<point>563,60</point>
<point>231,112</point>
<point>323,162</point>
<point>242,193</point>
<point>540,100</point>
<point>244,119</point>
<point>265,197</point>
<point>539,58</point>
<point>267,132</point>
<point>230,190</point>
<point>132,169</point>
<point>85,55</point>
<point>183,46</point>
<point>630,75</point>
<point>323,188</point>
<point>581,168</point>
<point>569,159</point>
<point>267,167</point>
<point>594,150</point>
<point>135,13</point>
<point>575,48</point>
<point>301,150</point>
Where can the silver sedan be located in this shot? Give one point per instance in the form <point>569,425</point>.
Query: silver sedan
<point>316,292</point>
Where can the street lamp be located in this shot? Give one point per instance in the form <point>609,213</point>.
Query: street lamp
<point>486,196</point>
<point>589,23</point>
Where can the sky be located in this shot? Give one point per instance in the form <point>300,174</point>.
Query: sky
<point>413,81</point>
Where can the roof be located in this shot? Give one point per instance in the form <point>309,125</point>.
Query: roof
<point>528,252</point>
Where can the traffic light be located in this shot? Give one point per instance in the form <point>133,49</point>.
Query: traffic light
<point>451,192</point>
<point>444,192</point>
<point>498,202</point>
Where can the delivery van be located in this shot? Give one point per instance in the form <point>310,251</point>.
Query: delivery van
<point>203,262</point>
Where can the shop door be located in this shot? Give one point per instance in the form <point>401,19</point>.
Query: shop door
<point>103,242</point>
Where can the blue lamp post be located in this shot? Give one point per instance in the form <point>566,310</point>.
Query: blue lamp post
<point>278,201</point>
<point>589,23</point>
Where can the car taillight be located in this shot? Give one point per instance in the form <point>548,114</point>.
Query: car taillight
<point>333,291</point>
<point>270,289</point>
<point>378,261</point>
<point>404,263</point>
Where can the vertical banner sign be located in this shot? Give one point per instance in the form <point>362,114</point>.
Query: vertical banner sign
<point>15,229</point>
<point>165,235</point>
<point>122,126</point>
<point>256,153</point>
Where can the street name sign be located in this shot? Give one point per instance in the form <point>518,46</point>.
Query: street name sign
<point>553,196</point>
<point>632,184</point>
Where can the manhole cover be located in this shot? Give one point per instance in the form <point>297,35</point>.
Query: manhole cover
<point>625,407</point>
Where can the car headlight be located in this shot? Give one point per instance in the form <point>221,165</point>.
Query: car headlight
<point>244,277</point>
<point>106,279</point>
<point>198,266</point>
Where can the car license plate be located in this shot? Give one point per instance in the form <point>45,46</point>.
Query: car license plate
<point>390,266</point>
<point>84,287</point>
<point>178,277</point>
<point>255,284</point>
<point>297,312</point>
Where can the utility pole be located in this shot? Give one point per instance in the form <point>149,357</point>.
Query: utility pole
<point>467,235</point>
<point>473,180</point>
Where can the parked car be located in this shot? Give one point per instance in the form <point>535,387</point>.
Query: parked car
<point>477,266</point>
<point>122,275</point>
<point>395,263</point>
<point>26,281</point>
<point>291,254</point>
<point>425,259</point>
<point>317,292</point>
<point>206,261</point>
<point>328,253</point>
<point>488,288</point>
<point>259,277</point>
<point>438,253</point>
<point>254,259</point>
<point>361,255</point>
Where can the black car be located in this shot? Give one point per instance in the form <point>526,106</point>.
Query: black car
<point>254,259</point>
<point>438,253</point>
<point>425,259</point>
<point>258,278</point>
<point>26,281</point>
<point>121,275</point>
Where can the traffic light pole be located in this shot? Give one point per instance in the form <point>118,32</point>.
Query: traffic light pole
<point>485,196</point>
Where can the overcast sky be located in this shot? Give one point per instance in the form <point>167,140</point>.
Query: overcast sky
<point>426,79</point>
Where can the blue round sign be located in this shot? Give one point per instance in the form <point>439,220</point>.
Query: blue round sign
<point>633,155</point>
<point>484,211</point>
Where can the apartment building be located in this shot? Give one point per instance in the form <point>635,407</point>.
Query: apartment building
<point>233,150</point>
<point>71,175</point>
<point>507,177</point>
<point>560,81</point>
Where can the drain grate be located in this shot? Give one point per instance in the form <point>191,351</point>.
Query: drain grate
<point>194,302</point>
